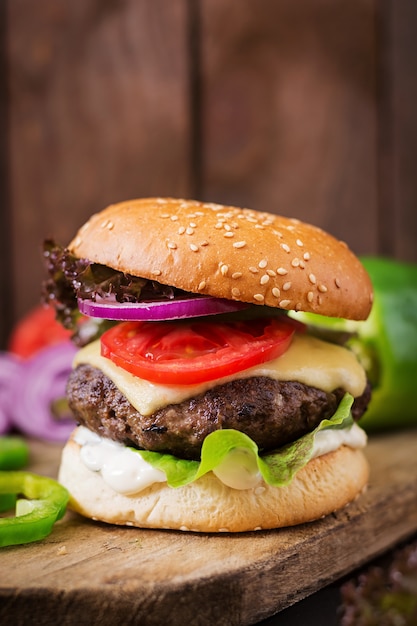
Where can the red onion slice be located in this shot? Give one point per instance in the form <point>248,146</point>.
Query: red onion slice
<point>41,383</point>
<point>9,372</point>
<point>157,311</point>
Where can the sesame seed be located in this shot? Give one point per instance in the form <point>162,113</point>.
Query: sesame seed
<point>337,283</point>
<point>189,231</point>
<point>110,226</point>
<point>258,297</point>
<point>310,296</point>
<point>254,270</point>
<point>228,234</point>
<point>237,275</point>
<point>264,279</point>
<point>312,278</point>
<point>204,243</point>
<point>302,265</point>
<point>165,216</point>
<point>193,224</point>
<point>306,256</point>
<point>322,288</point>
<point>193,247</point>
<point>156,272</point>
<point>285,247</point>
<point>286,286</point>
<point>298,306</point>
<point>172,245</point>
<point>284,303</point>
<point>181,230</point>
<point>227,227</point>
<point>104,223</point>
<point>262,264</point>
<point>276,292</point>
<point>224,269</point>
<point>239,244</point>
<point>219,225</point>
<point>77,241</point>
<point>271,273</point>
<point>282,271</point>
<point>259,226</point>
<point>235,292</point>
<point>202,285</point>
<point>299,243</point>
<point>174,218</point>
<point>295,262</point>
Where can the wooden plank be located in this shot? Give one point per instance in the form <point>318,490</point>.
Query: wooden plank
<point>401,74</point>
<point>290,116</point>
<point>92,573</point>
<point>99,112</point>
<point>6,315</point>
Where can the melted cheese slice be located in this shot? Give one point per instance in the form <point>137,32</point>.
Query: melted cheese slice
<point>308,360</point>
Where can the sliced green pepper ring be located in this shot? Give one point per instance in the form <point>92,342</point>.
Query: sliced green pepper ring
<point>14,455</point>
<point>44,503</point>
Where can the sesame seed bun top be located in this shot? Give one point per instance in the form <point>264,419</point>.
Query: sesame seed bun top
<point>228,252</point>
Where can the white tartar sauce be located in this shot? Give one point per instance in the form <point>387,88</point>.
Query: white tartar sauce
<point>121,468</point>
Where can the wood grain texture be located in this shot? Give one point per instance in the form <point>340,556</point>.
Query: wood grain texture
<point>91,573</point>
<point>397,143</point>
<point>98,113</point>
<point>290,114</point>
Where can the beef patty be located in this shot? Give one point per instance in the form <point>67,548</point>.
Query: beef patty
<point>271,412</point>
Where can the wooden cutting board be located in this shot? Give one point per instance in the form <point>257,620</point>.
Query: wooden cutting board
<point>92,573</point>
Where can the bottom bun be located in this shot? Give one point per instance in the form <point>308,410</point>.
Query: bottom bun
<point>326,484</point>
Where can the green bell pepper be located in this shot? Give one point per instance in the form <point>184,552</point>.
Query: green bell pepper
<point>43,504</point>
<point>14,454</point>
<point>389,336</point>
<point>386,343</point>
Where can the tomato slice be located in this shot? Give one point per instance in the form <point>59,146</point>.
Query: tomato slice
<point>196,352</point>
<point>35,331</point>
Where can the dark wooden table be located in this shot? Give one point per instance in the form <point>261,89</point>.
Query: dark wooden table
<point>87,572</point>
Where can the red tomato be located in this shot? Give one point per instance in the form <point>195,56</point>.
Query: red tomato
<point>36,330</point>
<point>178,353</point>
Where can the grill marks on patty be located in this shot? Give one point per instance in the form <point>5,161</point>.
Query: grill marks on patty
<point>271,412</point>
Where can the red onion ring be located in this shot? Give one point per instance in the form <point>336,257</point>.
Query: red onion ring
<point>9,372</point>
<point>157,311</point>
<point>42,381</point>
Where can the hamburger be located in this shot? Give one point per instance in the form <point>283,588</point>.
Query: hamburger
<point>202,403</point>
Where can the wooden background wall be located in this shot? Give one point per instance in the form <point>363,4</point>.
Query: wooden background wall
<point>304,108</point>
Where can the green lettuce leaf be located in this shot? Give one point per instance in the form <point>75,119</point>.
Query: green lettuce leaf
<point>277,468</point>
